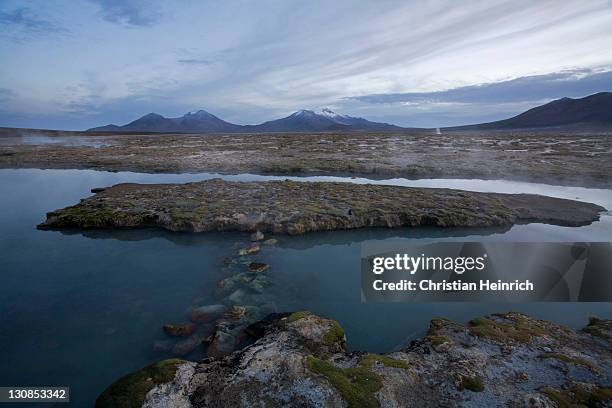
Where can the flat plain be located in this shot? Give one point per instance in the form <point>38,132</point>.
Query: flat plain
<point>553,157</point>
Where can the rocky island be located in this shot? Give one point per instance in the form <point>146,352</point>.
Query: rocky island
<point>300,359</point>
<point>289,207</point>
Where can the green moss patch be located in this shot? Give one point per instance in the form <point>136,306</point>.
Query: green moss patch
<point>560,398</point>
<point>438,323</point>
<point>437,340</point>
<point>131,390</point>
<point>521,330</point>
<point>579,395</point>
<point>298,315</point>
<point>334,335</point>
<point>599,328</point>
<point>569,360</point>
<point>369,359</point>
<point>357,385</point>
<point>472,383</point>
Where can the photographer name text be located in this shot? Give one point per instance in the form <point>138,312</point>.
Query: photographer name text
<point>457,265</point>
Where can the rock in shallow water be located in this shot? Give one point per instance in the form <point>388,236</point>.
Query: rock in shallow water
<point>206,314</point>
<point>223,343</point>
<point>271,241</point>
<point>252,281</point>
<point>257,236</point>
<point>162,345</point>
<point>258,267</point>
<point>188,345</point>
<point>236,312</point>
<point>185,329</point>
<point>253,249</point>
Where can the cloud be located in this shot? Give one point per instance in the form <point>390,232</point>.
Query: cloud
<point>6,96</point>
<point>131,13</point>
<point>391,60</point>
<point>477,103</point>
<point>6,93</point>
<point>22,23</point>
<point>195,61</point>
<point>528,88</point>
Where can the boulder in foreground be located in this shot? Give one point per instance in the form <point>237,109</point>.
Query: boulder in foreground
<point>300,359</point>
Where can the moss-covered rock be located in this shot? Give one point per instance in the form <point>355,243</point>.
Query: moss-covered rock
<point>472,383</point>
<point>577,361</point>
<point>370,359</point>
<point>579,395</point>
<point>357,385</point>
<point>437,340</point>
<point>298,315</point>
<point>600,328</point>
<point>130,391</point>
<point>508,359</point>
<point>511,327</point>
<point>334,335</point>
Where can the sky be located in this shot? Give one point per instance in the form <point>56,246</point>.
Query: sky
<point>81,63</point>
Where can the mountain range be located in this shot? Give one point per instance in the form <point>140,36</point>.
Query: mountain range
<point>192,122</point>
<point>594,111</point>
<point>204,122</point>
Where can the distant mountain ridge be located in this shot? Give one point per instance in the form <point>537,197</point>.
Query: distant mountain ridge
<point>192,122</point>
<point>204,122</point>
<point>593,111</point>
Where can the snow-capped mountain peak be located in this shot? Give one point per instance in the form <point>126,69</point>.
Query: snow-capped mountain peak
<point>199,113</point>
<point>303,112</point>
<point>330,113</point>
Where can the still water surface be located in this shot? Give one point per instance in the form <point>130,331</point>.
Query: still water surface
<point>82,309</point>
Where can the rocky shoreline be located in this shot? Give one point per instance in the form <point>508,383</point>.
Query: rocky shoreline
<point>300,359</point>
<point>289,207</point>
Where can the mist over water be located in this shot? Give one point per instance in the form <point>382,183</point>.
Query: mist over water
<point>69,140</point>
<point>84,308</point>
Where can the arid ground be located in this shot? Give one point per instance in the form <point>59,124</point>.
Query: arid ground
<point>579,159</point>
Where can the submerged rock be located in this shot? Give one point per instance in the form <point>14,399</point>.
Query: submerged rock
<point>253,249</point>
<point>162,345</point>
<point>185,329</point>
<point>223,343</point>
<point>240,296</point>
<point>187,346</point>
<point>257,236</point>
<point>206,314</point>
<point>236,312</point>
<point>271,241</point>
<point>300,359</point>
<point>258,267</point>
<point>255,282</point>
<point>287,207</point>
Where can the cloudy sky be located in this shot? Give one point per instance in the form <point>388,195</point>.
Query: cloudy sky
<point>76,64</point>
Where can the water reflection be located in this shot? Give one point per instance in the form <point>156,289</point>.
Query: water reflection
<point>342,237</point>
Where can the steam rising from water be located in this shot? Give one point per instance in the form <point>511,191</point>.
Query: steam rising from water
<point>70,141</point>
